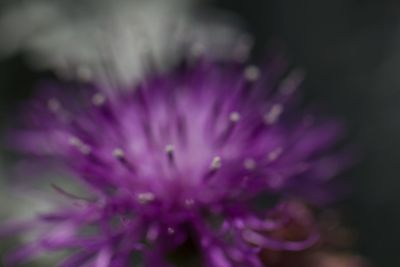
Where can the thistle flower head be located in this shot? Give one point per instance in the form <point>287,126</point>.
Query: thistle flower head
<point>182,162</point>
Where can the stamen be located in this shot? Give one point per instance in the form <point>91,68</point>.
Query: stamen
<point>189,202</point>
<point>119,153</point>
<point>273,115</point>
<point>215,163</point>
<point>146,197</point>
<point>170,230</point>
<point>251,73</point>
<point>215,112</point>
<point>98,99</point>
<point>274,154</point>
<point>234,118</point>
<point>83,148</point>
<point>291,82</point>
<point>148,131</point>
<point>214,167</point>
<point>181,127</point>
<point>53,105</point>
<point>169,149</point>
<point>250,164</point>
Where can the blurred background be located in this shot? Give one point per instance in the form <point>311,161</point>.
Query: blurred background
<point>350,50</point>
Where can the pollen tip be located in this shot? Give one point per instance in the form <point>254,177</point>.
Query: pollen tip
<point>189,202</point>
<point>146,197</point>
<point>273,155</point>
<point>74,141</point>
<point>273,115</point>
<point>234,116</point>
<point>169,149</point>
<point>98,99</point>
<point>53,105</point>
<point>216,163</point>
<point>170,230</point>
<point>83,148</point>
<point>292,82</point>
<point>249,164</point>
<point>118,153</point>
<point>252,73</point>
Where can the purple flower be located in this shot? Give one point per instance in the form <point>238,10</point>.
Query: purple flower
<point>177,169</point>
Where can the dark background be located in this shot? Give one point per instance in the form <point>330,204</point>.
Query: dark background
<point>350,50</point>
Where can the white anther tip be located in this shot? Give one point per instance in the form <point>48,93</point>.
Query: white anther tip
<point>251,73</point>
